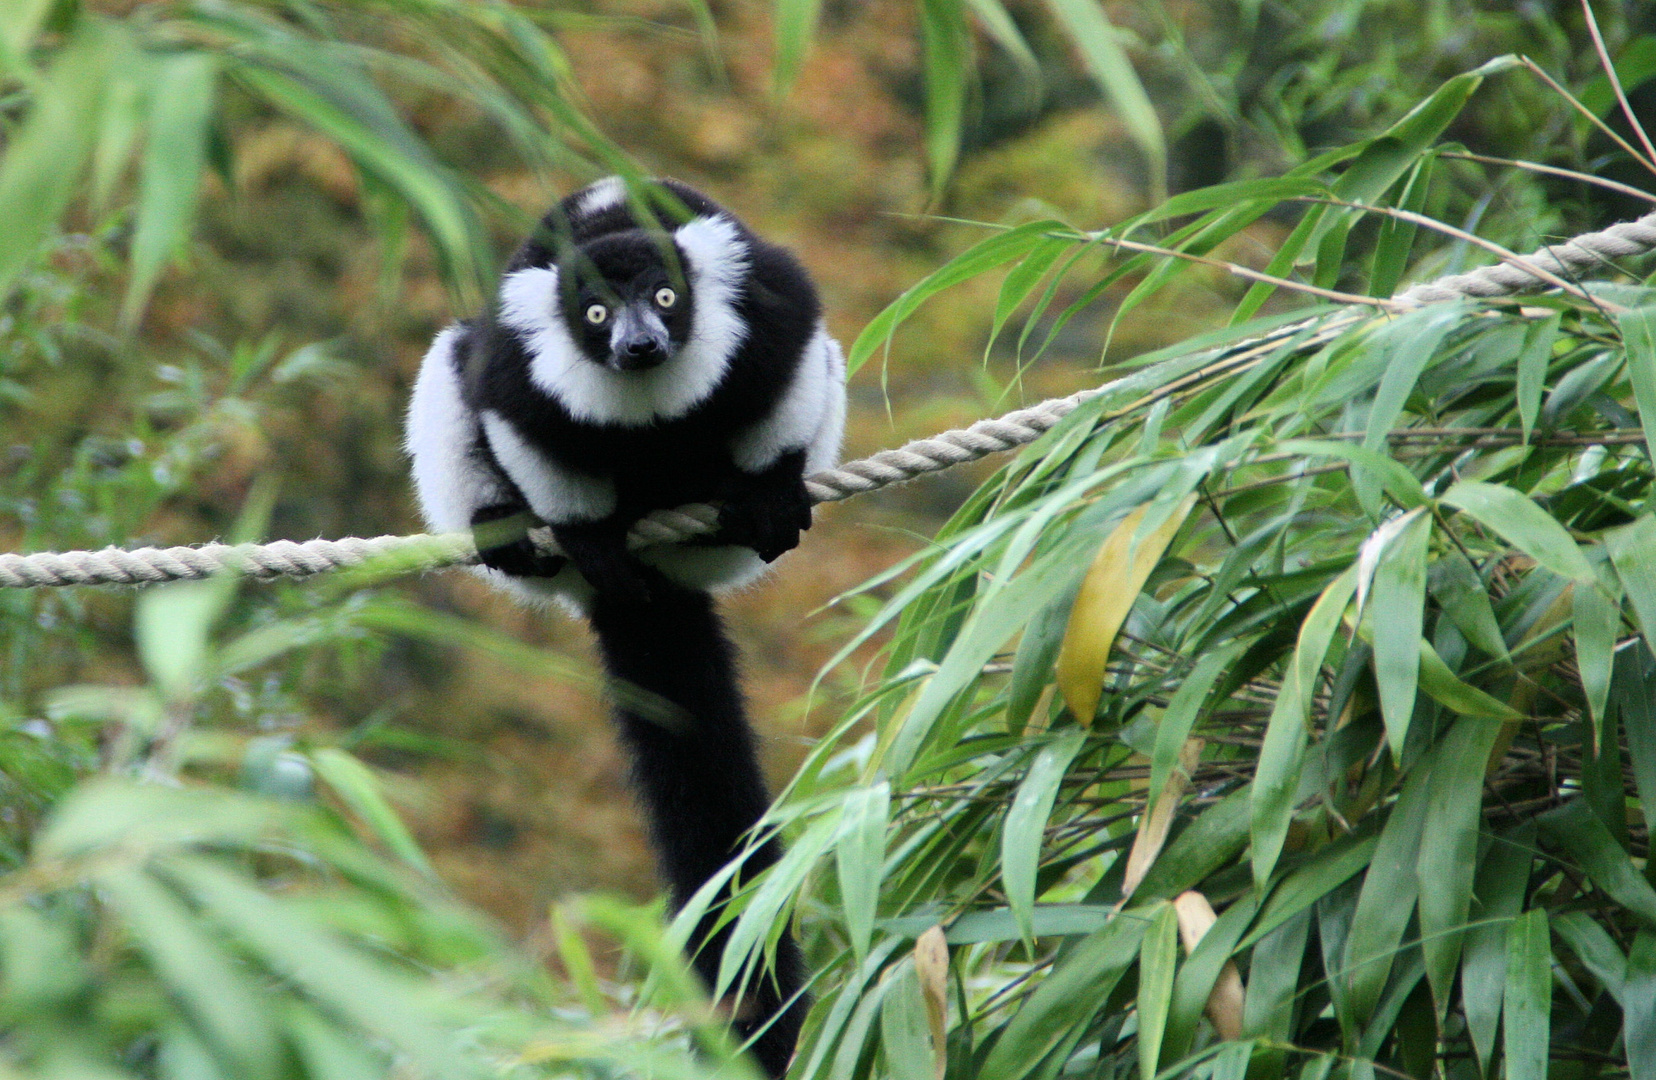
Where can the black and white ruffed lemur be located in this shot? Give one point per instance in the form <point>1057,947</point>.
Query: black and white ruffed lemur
<point>627,367</point>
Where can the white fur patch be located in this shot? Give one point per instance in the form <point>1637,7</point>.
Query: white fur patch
<point>439,436</point>
<point>608,192</point>
<point>557,495</point>
<point>717,260</point>
<point>810,416</point>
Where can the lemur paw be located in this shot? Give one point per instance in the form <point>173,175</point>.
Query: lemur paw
<point>505,546</point>
<point>770,526</point>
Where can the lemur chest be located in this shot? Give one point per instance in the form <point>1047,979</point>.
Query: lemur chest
<point>660,465</point>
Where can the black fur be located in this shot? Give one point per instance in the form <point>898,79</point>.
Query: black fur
<point>695,769</point>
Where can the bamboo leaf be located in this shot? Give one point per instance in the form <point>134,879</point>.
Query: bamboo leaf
<point>1444,687</point>
<point>1399,613</point>
<point>1386,902</point>
<point>859,857</point>
<point>1596,619</point>
<point>175,155</point>
<point>1073,992</point>
<point>1633,552</point>
<point>1089,28</point>
<point>1498,896</point>
<point>903,1027</point>
<point>1607,864</point>
<point>985,255</point>
<point>46,156</point>
<point>1532,368</point>
<point>1283,750</point>
<point>1173,732</point>
<point>1528,998</point>
<point>1026,821</point>
<point>1158,955</point>
<point>931,965</point>
<point>1461,593</point>
<point>1638,329</point>
<point>214,988</point>
<point>796,22</point>
<point>1447,863</point>
<point>358,788</point>
<point>1639,1008</point>
<point>1112,585</point>
<point>945,50</point>
<point>1524,525</point>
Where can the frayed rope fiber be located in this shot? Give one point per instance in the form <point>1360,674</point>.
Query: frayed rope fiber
<point>287,558</point>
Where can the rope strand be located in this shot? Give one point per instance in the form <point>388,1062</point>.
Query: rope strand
<point>286,558</point>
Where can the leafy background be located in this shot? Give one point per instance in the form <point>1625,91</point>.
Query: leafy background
<point>233,228</point>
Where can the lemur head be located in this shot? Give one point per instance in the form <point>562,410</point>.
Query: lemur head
<point>627,300</point>
<point>626,323</point>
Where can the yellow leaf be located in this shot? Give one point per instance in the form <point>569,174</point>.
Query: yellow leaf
<point>1224,1004</point>
<point>931,963</point>
<point>1118,573</point>
<point>1158,818</point>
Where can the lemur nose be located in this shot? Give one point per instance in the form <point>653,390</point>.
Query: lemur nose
<point>642,347</point>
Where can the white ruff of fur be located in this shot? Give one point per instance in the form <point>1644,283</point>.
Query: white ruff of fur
<point>717,260</point>
<point>441,431</point>
<point>607,192</point>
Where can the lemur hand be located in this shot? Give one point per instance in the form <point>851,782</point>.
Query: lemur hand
<point>767,514</point>
<point>504,545</point>
<point>599,552</point>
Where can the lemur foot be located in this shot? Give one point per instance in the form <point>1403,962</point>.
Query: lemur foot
<point>599,552</point>
<point>516,555</point>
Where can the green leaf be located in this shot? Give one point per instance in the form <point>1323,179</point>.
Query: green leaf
<point>1639,1008</point>
<point>945,50</point>
<point>1524,525</point>
<point>1533,359</point>
<point>47,154</point>
<point>1387,900</point>
<point>359,789</point>
<point>1283,751</point>
<point>1597,622</point>
<point>1399,612</point>
<point>1462,595</point>
<point>1090,30</point>
<point>1498,895</point>
<point>859,857</point>
<point>1595,948</point>
<point>175,155</point>
<point>903,1029</point>
<point>1273,979</point>
<point>1180,716</point>
<point>383,1003</point>
<point>1075,990</point>
<point>1528,998</point>
<point>1638,329</point>
<point>1026,822</point>
<point>796,22</point>
<point>1446,864</point>
<point>1444,687</point>
<point>1158,954</point>
<point>1608,865</point>
<point>1391,247</point>
<point>1398,482</point>
<point>1206,844</point>
<point>999,26</point>
<point>985,255</point>
<point>1633,689</point>
<point>173,624</point>
<point>1633,551</point>
<point>214,988</point>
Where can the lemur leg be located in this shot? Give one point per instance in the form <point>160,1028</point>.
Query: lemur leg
<point>599,551</point>
<point>694,763</point>
<point>766,511</point>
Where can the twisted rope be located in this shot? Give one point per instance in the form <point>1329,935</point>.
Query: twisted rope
<point>285,558</point>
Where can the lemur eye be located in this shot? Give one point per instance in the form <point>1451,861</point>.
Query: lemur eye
<point>666,297</point>
<point>596,314</point>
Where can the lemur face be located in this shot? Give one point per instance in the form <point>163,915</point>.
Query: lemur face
<point>626,306</point>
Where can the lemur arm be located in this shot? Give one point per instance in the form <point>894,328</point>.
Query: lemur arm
<point>766,510</point>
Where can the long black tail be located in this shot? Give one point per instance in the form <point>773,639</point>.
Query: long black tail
<point>680,710</point>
